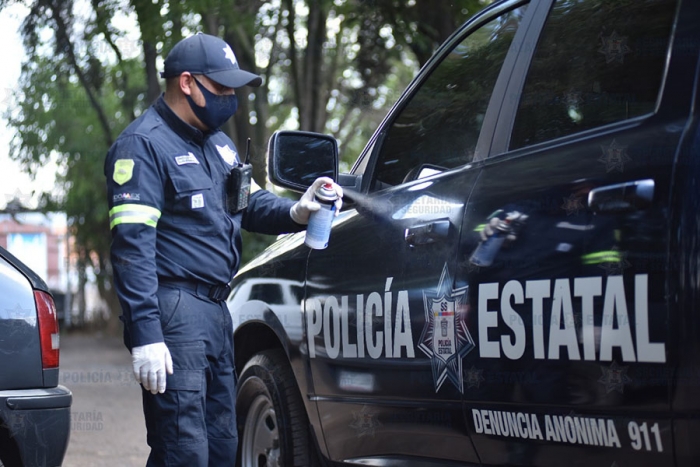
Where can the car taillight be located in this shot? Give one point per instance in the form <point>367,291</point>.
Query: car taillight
<point>48,329</point>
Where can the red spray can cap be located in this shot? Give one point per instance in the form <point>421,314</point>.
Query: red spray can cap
<point>326,193</point>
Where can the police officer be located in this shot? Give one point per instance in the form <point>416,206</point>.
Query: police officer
<point>176,245</point>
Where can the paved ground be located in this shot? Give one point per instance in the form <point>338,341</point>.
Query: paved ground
<point>107,423</point>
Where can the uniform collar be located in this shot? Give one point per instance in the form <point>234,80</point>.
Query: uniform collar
<point>179,126</point>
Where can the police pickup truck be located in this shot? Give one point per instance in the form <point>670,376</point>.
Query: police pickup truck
<point>515,276</point>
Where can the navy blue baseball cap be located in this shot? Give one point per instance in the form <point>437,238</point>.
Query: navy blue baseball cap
<point>210,56</point>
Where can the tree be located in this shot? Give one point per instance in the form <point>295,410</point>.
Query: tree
<point>72,104</point>
<point>331,66</point>
<point>341,64</point>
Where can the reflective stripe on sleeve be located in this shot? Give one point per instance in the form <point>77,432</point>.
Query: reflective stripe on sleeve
<point>609,256</point>
<point>133,214</point>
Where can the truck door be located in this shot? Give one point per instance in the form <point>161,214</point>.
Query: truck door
<point>384,322</point>
<point>570,320</point>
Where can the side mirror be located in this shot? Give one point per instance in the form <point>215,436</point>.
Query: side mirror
<point>297,158</point>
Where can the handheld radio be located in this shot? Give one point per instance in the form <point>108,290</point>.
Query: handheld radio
<point>238,184</point>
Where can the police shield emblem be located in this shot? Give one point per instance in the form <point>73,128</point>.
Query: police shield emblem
<point>444,328</point>
<point>123,170</point>
<point>446,338</point>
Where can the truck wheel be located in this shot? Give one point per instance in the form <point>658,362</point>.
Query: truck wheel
<point>272,422</point>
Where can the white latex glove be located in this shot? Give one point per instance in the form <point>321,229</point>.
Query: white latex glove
<point>302,209</point>
<point>150,363</point>
<point>490,226</point>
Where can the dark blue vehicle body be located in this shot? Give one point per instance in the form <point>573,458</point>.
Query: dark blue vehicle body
<point>580,344</point>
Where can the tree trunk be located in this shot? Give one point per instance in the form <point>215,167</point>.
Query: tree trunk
<point>64,41</point>
<point>250,119</point>
<point>151,28</point>
<point>150,55</point>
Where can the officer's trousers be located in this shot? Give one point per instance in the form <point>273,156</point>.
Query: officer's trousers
<point>193,423</point>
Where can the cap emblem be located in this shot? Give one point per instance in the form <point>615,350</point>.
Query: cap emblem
<point>229,54</point>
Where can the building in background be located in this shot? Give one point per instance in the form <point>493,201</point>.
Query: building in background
<point>42,242</point>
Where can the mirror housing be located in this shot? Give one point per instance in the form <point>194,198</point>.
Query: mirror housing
<point>297,158</point>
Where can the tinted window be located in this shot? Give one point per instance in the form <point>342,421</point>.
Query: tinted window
<point>597,62</point>
<point>298,293</point>
<point>440,125</point>
<point>269,293</point>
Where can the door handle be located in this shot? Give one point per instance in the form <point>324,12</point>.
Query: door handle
<point>622,197</point>
<point>424,234</point>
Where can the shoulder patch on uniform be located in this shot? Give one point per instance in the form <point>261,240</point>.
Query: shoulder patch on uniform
<point>188,158</point>
<point>227,154</point>
<point>123,170</point>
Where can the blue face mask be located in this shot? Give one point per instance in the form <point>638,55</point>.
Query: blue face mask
<point>217,109</point>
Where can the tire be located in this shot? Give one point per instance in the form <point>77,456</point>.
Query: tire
<point>273,427</point>
<point>9,453</point>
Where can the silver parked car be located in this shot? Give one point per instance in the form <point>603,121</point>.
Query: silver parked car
<point>34,408</point>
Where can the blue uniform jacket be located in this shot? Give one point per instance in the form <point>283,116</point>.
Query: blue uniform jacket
<point>166,185</point>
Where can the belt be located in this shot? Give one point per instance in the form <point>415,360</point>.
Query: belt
<point>217,293</point>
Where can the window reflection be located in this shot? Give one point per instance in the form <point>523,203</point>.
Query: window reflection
<point>441,123</point>
<point>597,62</point>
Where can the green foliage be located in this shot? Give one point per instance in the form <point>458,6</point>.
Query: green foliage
<point>333,66</point>
<point>54,117</point>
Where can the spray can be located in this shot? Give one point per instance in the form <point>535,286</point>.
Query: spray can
<point>486,252</point>
<point>318,231</point>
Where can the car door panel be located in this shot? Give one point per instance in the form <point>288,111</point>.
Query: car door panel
<point>558,316</point>
<point>572,316</point>
<point>385,323</point>
<point>376,391</point>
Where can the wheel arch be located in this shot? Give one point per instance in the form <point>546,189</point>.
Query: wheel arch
<point>9,451</point>
<point>257,326</point>
<point>252,338</point>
